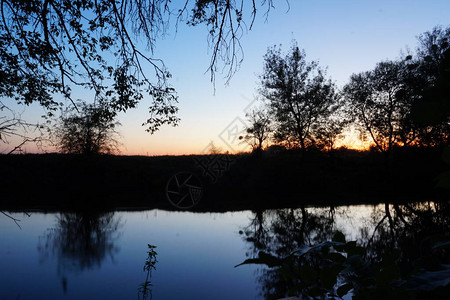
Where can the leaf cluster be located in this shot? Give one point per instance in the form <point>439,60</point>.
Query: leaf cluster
<point>48,47</point>
<point>335,268</point>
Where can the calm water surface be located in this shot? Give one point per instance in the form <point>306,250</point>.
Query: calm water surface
<point>102,255</point>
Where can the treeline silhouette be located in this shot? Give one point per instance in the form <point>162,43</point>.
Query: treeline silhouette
<point>401,106</point>
<point>399,103</point>
<point>276,179</point>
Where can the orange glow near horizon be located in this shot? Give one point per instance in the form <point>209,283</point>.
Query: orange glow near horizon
<point>160,151</point>
<point>168,147</point>
<point>349,142</point>
<point>353,142</point>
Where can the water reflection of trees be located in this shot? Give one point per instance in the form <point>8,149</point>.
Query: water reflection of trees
<point>280,232</point>
<point>80,241</point>
<point>412,229</point>
<point>14,219</point>
<point>283,230</point>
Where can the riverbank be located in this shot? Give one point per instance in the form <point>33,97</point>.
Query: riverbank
<point>229,182</point>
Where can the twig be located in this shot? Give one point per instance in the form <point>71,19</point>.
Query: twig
<point>14,219</point>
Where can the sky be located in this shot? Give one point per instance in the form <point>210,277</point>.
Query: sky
<point>346,37</point>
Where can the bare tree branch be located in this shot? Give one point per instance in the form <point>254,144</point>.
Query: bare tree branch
<point>13,128</point>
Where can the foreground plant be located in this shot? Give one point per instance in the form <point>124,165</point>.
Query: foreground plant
<point>336,268</point>
<point>145,289</point>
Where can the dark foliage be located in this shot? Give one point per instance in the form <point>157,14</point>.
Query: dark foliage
<point>300,97</point>
<point>377,103</point>
<point>89,130</point>
<point>405,102</point>
<point>259,131</point>
<point>280,178</point>
<point>13,128</point>
<point>49,46</point>
<point>431,70</point>
<point>403,253</point>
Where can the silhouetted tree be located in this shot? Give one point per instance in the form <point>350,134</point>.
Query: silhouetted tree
<point>212,149</point>
<point>378,104</point>
<point>49,46</point>
<point>90,130</point>
<point>429,79</point>
<point>405,102</point>
<point>431,51</point>
<point>259,129</point>
<point>329,132</point>
<point>298,94</point>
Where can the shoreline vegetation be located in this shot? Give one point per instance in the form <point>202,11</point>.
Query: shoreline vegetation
<point>255,181</point>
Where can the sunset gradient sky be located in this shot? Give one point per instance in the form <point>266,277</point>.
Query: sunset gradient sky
<point>346,36</point>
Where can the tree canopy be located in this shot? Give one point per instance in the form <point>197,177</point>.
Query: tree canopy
<point>405,102</point>
<point>430,70</point>
<point>376,104</point>
<point>402,102</point>
<point>298,94</point>
<point>49,46</point>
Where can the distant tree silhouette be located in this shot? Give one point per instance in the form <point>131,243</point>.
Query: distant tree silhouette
<point>212,149</point>
<point>298,94</point>
<point>259,129</point>
<point>378,105</point>
<point>327,131</point>
<point>91,130</point>
<point>50,46</point>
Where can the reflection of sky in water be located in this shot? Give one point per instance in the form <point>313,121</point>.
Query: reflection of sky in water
<point>350,219</point>
<point>196,257</point>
